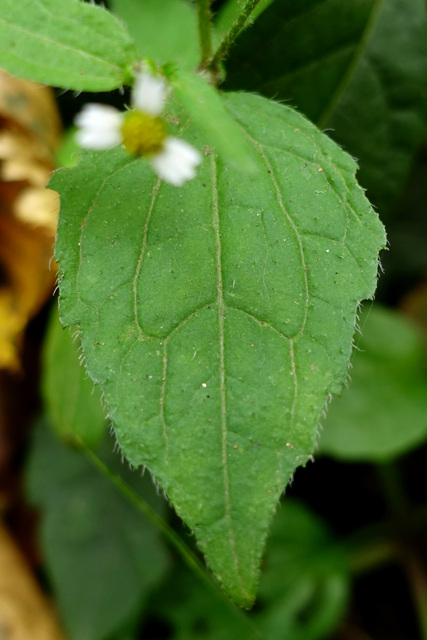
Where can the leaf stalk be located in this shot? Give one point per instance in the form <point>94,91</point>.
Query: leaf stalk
<point>183,550</point>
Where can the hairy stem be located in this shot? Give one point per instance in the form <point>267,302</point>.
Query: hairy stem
<point>393,491</point>
<point>205,30</point>
<point>410,559</point>
<point>229,38</point>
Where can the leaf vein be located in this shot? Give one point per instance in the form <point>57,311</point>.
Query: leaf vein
<point>141,256</point>
<point>293,226</point>
<point>262,323</point>
<point>345,205</point>
<point>187,319</point>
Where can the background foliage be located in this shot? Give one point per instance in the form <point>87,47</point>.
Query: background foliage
<point>347,544</point>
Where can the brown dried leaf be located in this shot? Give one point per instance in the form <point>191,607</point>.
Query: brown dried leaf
<point>24,611</point>
<point>29,134</point>
<point>32,108</point>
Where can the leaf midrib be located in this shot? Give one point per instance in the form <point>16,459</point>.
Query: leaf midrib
<point>224,429</point>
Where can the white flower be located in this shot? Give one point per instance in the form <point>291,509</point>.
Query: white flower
<point>141,131</point>
<point>149,93</point>
<point>98,127</point>
<point>176,162</point>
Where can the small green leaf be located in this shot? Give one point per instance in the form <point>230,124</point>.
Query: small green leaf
<point>203,103</point>
<point>305,582</point>
<point>72,402</point>
<point>192,613</point>
<point>163,31</point>
<point>71,44</point>
<point>219,316</point>
<point>102,556</point>
<point>383,413</point>
<point>68,152</point>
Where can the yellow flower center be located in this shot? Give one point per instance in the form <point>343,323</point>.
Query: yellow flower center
<point>143,134</point>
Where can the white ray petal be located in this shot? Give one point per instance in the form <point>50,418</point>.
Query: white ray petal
<point>177,161</point>
<point>98,127</point>
<point>149,93</point>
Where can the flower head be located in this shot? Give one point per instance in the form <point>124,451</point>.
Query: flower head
<point>142,131</point>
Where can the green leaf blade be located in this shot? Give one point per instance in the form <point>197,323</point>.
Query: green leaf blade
<point>163,31</point>
<point>72,402</point>
<point>87,523</point>
<point>308,48</point>
<point>383,100</point>
<point>388,383</point>
<point>75,46</point>
<point>226,318</point>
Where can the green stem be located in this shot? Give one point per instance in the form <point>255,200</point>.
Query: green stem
<point>205,30</point>
<point>190,558</point>
<point>229,38</point>
<point>393,491</point>
<point>370,546</point>
<point>378,544</point>
<point>143,507</point>
<point>381,542</point>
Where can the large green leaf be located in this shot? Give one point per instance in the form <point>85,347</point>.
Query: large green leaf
<point>218,317</point>
<point>357,68</point>
<point>165,31</point>
<point>71,44</point>
<point>383,413</point>
<point>103,558</point>
<point>72,402</point>
<point>381,118</point>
